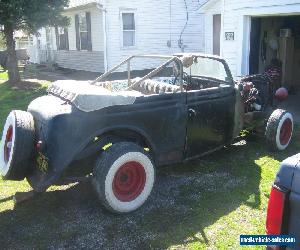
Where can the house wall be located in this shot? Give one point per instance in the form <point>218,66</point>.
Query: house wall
<point>216,8</point>
<point>237,18</point>
<point>156,23</point>
<point>38,49</point>
<point>83,60</point>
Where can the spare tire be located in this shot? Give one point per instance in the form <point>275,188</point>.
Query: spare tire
<point>279,129</point>
<point>17,144</point>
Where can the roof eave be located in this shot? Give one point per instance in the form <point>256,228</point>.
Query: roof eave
<point>207,5</point>
<point>83,6</point>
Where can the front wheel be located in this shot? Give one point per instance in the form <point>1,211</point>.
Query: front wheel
<point>123,177</point>
<point>279,129</point>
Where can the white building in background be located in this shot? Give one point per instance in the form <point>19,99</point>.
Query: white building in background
<point>101,33</point>
<point>249,34</point>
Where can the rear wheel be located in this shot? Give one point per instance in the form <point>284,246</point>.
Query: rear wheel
<point>16,146</point>
<point>124,177</point>
<point>279,129</point>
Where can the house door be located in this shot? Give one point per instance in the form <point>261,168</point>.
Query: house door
<point>216,34</point>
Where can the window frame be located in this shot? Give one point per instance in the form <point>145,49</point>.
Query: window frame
<point>79,16</point>
<point>82,15</point>
<point>128,11</point>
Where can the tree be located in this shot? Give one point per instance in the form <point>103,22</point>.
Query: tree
<point>30,16</point>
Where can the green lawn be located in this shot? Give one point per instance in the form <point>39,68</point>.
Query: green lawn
<point>16,98</point>
<point>205,204</point>
<point>3,75</point>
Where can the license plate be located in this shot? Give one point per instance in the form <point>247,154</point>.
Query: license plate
<point>42,162</point>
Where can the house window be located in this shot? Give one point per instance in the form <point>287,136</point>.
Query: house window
<point>83,31</point>
<point>62,41</point>
<point>128,29</point>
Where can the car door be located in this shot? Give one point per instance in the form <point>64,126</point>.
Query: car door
<point>211,104</point>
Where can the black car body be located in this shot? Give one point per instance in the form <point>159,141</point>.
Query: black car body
<point>174,126</point>
<point>185,107</point>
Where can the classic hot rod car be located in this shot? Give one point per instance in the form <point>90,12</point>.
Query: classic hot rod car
<point>133,121</point>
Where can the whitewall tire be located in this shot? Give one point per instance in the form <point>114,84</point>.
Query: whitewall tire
<point>17,143</point>
<point>279,129</point>
<point>7,144</point>
<point>124,177</point>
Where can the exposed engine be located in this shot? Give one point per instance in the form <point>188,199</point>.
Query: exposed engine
<point>258,91</point>
<point>251,97</point>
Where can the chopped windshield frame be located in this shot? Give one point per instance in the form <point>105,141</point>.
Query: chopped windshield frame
<point>168,60</point>
<point>210,68</point>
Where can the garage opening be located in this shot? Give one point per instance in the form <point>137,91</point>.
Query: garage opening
<point>275,47</point>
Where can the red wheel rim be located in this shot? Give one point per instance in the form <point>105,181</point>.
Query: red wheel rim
<point>286,131</point>
<point>8,144</point>
<point>129,181</point>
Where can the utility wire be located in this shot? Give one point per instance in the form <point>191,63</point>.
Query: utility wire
<point>186,22</point>
<point>180,43</point>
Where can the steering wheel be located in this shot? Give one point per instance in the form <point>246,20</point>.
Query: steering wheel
<point>186,77</point>
<point>187,81</point>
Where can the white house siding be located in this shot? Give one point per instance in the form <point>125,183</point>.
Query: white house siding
<point>236,18</point>
<point>215,8</point>
<point>83,60</point>
<point>40,50</point>
<point>153,28</point>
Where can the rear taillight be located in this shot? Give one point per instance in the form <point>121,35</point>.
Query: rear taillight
<point>275,211</point>
<point>39,146</point>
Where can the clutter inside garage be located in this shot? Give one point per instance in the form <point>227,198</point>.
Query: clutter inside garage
<point>275,50</point>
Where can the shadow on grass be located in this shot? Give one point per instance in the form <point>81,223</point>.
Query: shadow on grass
<point>6,199</point>
<point>186,199</point>
<point>23,85</point>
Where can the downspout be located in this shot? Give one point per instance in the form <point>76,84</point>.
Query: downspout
<point>104,27</point>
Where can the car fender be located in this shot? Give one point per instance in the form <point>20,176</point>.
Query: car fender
<point>122,133</point>
<point>40,180</point>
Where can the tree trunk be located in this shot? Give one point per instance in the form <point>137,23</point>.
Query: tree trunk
<point>12,63</point>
